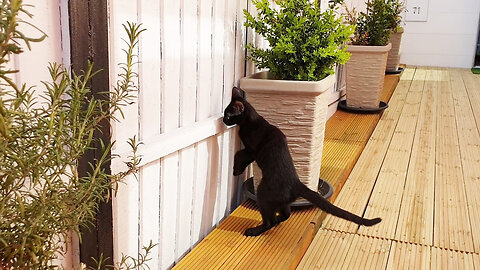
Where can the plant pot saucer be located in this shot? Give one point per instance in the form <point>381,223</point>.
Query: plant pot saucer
<point>324,189</point>
<point>393,72</point>
<point>342,105</point>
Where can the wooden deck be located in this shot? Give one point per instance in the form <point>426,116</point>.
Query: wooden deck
<point>283,247</point>
<point>420,172</point>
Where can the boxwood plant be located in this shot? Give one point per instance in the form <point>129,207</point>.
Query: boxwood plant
<point>304,42</point>
<point>372,27</point>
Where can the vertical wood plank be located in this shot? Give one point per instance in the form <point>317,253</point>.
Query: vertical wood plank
<point>218,47</point>
<point>204,59</point>
<point>125,203</point>
<point>149,208</point>
<point>169,196</point>
<point>251,38</point>
<point>230,73</point>
<point>150,119</point>
<point>92,46</point>
<point>168,210</point>
<point>199,192</point>
<point>240,41</point>
<point>211,184</point>
<point>219,73</point>
<point>202,214</point>
<point>189,61</point>
<point>216,178</point>
<point>188,96</point>
<point>185,203</point>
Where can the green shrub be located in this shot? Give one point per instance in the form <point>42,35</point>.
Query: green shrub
<point>395,10</point>
<point>305,43</point>
<point>373,26</point>
<point>42,196</point>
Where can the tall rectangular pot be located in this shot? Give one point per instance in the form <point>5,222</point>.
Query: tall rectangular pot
<point>365,75</point>
<point>299,109</point>
<point>394,54</point>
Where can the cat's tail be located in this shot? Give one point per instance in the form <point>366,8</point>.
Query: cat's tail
<point>328,207</point>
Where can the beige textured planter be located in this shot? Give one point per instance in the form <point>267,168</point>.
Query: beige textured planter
<point>365,75</point>
<point>394,54</point>
<point>299,109</point>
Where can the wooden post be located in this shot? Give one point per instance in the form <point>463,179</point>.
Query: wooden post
<point>89,42</point>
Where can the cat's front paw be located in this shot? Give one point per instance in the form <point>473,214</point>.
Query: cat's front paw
<point>237,171</point>
<point>252,232</point>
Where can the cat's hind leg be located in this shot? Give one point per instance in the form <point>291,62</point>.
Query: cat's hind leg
<point>242,159</point>
<point>268,221</point>
<point>283,214</point>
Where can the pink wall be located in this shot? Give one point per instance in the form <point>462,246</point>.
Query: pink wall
<point>33,64</point>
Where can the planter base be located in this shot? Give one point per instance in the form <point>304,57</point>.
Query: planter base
<point>393,72</point>
<point>324,189</point>
<point>342,105</point>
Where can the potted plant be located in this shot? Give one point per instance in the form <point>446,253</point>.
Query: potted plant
<point>369,48</point>
<point>305,44</point>
<point>396,8</point>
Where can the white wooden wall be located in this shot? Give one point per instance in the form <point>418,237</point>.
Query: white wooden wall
<point>190,57</point>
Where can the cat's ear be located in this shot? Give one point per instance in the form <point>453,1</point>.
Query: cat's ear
<point>239,106</point>
<point>237,92</point>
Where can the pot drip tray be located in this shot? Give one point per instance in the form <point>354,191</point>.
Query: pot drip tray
<point>342,105</point>
<point>324,189</point>
<point>393,72</point>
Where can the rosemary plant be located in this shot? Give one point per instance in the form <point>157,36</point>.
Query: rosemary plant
<point>42,196</point>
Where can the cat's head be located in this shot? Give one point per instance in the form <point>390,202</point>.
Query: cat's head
<point>233,114</point>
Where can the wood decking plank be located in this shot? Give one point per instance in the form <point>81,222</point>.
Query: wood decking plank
<point>345,251</point>
<point>450,189</point>
<point>409,256</point>
<point>390,181</point>
<point>415,223</point>
<point>472,84</point>
<point>469,142</point>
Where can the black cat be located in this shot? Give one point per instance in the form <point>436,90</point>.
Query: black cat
<point>280,185</point>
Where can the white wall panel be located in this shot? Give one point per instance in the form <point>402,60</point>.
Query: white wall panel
<point>190,57</point>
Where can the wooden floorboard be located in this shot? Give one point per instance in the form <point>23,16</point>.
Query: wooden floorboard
<point>284,246</point>
<point>452,230</point>
<point>340,250</point>
<point>416,212</point>
<point>391,178</point>
<point>469,142</point>
<point>426,186</point>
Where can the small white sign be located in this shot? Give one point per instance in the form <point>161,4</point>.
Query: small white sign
<point>416,10</point>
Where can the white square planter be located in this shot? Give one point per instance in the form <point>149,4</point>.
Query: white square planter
<point>299,109</point>
<point>394,54</point>
<point>366,75</point>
